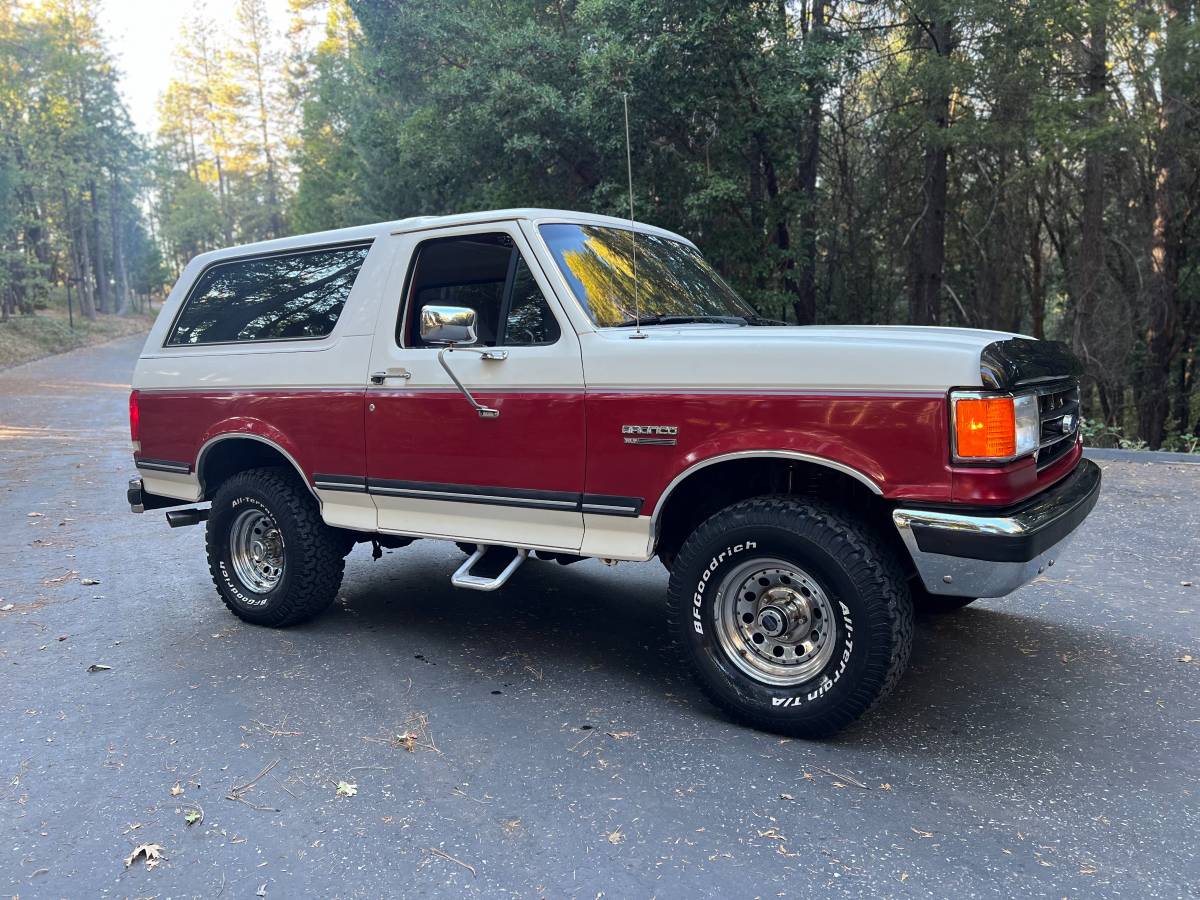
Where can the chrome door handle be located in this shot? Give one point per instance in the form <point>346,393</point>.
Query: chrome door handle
<point>381,377</point>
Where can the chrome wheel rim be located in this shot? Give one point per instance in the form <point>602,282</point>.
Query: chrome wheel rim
<point>256,550</point>
<point>775,622</point>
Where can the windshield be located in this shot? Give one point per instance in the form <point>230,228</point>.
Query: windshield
<point>674,283</point>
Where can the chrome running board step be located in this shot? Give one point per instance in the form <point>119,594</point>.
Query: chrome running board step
<point>496,565</point>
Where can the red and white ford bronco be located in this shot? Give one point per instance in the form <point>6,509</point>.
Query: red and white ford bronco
<point>547,385</point>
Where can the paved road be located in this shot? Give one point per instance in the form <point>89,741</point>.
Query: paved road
<point>1045,745</point>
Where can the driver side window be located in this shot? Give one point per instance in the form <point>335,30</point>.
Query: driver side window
<point>485,273</point>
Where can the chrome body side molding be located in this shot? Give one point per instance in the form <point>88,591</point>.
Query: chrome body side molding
<point>233,435</point>
<point>655,518</point>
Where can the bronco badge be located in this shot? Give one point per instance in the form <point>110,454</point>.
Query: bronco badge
<point>659,435</point>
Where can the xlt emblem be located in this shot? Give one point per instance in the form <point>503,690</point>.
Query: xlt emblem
<point>659,435</point>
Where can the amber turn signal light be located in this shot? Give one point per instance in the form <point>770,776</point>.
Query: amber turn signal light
<point>985,428</point>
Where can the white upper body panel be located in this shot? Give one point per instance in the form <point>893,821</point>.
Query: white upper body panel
<point>683,358</point>
<point>820,359</point>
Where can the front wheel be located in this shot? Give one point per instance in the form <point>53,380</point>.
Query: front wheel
<point>272,558</point>
<point>794,617</point>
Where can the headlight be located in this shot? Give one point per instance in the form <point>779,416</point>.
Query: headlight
<point>994,428</point>
<point>1029,423</point>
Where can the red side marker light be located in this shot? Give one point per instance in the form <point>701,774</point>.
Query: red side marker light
<point>135,418</point>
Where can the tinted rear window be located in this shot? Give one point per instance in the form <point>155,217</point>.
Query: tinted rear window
<point>286,296</point>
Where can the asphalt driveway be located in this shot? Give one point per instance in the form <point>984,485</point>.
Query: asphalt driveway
<point>540,741</point>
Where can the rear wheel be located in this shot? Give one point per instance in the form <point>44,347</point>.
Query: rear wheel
<point>794,617</point>
<point>272,558</point>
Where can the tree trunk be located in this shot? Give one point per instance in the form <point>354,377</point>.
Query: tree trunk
<point>928,256</point>
<point>1090,264</point>
<point>99,265</point>
<point>118,249</point>
<point>1182,414</point>
<point>782,233</point>
<point>276,216</point>
<point>1162,336</point>
<point>810,157</point>
<point>1037,284</point>
<point>81,262</point>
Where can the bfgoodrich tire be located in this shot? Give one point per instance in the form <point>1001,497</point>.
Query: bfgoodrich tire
<point>272,558</point>
<point>794,617</point>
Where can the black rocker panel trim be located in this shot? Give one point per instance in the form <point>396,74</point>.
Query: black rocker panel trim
<point>355,483</point>
<point>164,465</point>
<point>606,505</point>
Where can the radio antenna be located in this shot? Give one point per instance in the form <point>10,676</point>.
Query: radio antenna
<point>637,312</point>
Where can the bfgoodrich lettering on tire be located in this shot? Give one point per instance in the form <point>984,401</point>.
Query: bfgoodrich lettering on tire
<point>272,559</point>
<point>794,617</point>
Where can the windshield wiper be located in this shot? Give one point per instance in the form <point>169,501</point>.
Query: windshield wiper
<point>681,320</point>
<point>759,320</point>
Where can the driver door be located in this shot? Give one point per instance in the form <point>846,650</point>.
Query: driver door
<point>434,465</point>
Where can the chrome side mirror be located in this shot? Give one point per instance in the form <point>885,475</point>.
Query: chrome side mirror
<point>448,325</point>
<point>451,326</point>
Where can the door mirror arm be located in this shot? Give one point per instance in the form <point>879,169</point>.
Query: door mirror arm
<point>485,412</point>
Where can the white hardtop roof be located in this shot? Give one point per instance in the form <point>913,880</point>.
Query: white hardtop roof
<point>418,223</point>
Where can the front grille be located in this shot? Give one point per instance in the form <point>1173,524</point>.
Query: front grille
<point>1058,406</point>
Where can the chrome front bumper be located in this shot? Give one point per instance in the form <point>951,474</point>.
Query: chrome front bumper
<point>990,554</point>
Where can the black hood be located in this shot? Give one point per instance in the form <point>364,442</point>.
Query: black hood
<point>1024,362</point>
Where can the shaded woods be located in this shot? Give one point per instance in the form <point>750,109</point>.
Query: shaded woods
<point>1031,167</point>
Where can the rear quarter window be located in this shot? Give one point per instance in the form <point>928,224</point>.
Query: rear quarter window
<point>280,297</point>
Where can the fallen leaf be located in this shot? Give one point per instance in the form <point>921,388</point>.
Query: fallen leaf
<point>346,789</point>
<point>1186,658</point>
<point>924,834</point>
<point>150,852</point>
<point>36,515</point>
<point>191,817</point>
<point>616,837</point>
<point>904,876</point>
<point>619,735</point>
<point>98,667</point>
<point>885,787</point>
<point>89,581</point>
<point>177,790</point>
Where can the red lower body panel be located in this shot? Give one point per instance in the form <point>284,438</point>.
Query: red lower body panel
<point>321,429</point>
<point>574,441</point>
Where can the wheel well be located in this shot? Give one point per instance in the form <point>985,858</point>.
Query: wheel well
<point>715,487</point>
<point>232,455</point>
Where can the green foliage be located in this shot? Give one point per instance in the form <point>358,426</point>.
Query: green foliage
<point>1035,163</point>
<point>190,218</point>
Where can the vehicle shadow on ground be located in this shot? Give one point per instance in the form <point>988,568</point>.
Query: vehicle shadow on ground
<point>980,661</point>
